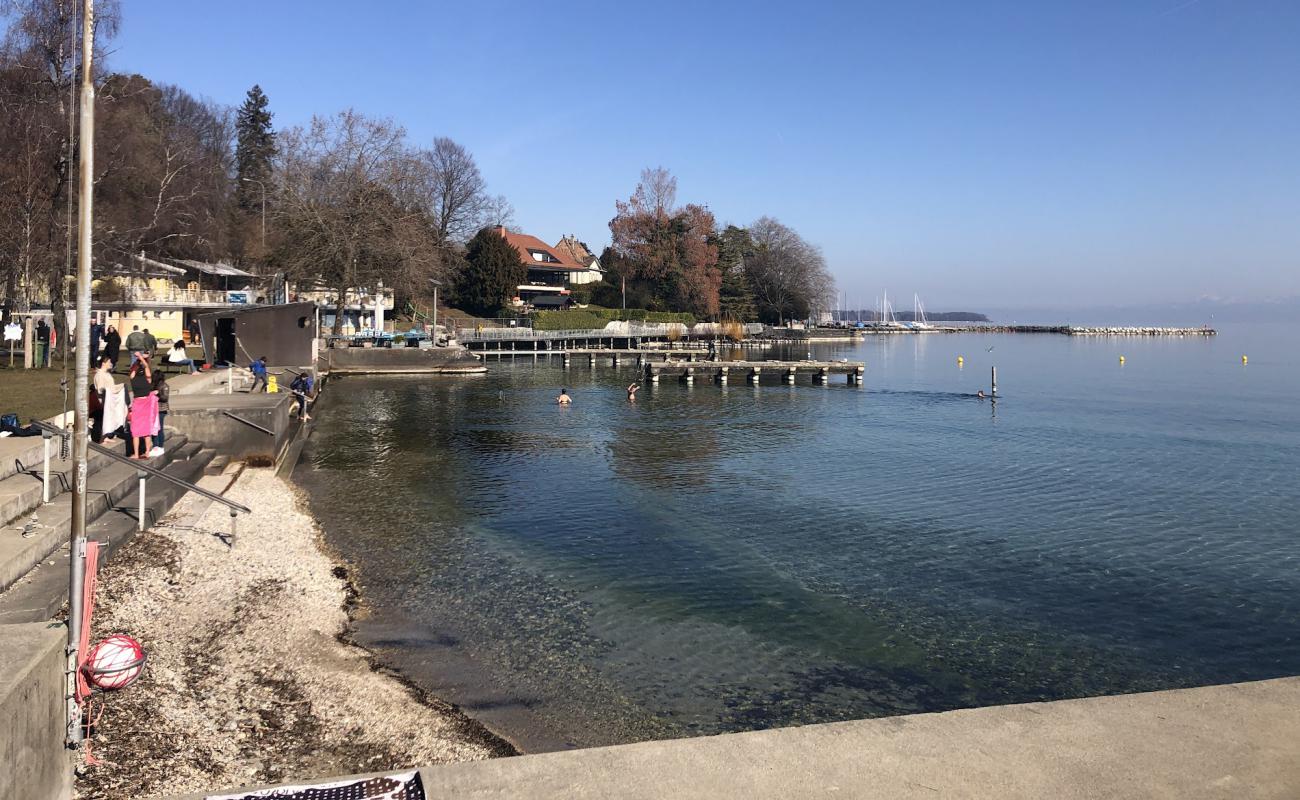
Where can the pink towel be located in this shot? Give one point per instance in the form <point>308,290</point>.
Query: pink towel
<point>144,416</point>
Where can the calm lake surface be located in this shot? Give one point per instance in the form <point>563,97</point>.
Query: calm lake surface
<point>714,559</point>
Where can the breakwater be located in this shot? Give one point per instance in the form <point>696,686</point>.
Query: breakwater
<point>1086,330</point>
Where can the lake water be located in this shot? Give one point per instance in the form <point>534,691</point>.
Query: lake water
<point>716,559</point>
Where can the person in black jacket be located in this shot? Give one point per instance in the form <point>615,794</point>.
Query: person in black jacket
<point>112,346</point>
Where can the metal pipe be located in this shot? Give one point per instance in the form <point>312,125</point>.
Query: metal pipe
<point>45,470</point>
<point>157,473</point>
<point>81,415</point>
<point>141,474</point>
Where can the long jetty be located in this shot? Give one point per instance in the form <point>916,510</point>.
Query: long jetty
<point>787,371</point>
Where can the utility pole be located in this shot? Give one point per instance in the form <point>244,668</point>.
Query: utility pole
<point>81,404</point>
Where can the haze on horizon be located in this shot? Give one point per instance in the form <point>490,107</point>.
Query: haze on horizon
<point>984,155</point>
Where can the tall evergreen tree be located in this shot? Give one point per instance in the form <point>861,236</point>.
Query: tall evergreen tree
<point>493,271</point>
<point>736,295</point>
<point>254,149</point>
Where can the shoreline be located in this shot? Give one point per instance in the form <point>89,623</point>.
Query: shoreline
<point>253,676</point>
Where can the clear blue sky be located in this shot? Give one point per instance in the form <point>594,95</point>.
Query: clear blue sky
<point>1039,153</point>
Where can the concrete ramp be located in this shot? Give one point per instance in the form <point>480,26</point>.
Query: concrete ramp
<point>1231,741</point>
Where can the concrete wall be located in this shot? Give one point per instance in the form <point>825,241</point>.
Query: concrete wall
<point>33,762</point>
<point>1231,741</point>
<point>397,359</point>
<point>282,333</point>
<point>201,418</point>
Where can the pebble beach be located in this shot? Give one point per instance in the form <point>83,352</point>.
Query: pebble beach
<point>250,679</point>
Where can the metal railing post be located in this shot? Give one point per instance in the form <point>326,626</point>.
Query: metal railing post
<point>45,470</point>
<point>141,474</point>
<point>234,517</point>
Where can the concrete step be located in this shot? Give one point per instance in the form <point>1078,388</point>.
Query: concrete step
<point>18,453</point>
<point>43,591</point>
<point>105,488</point>
<point>21,491</point>
<point>217,465</point>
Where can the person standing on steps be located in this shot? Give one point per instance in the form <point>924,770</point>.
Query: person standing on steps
<point>150,343</point>
<point>163,392</point>
<point>144,408</point>
<point>104,384</point>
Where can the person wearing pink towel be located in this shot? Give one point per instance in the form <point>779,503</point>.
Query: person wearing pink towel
<point>144,407</point>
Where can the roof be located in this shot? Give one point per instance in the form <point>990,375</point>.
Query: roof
<point>224,270</point>
<point>144,262</point>
<point>527,245</point>
<point>576,251</point>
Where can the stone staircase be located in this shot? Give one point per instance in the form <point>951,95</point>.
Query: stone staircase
<point>34,535</point>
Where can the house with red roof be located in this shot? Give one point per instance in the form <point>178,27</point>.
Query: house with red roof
<point>551,270</point>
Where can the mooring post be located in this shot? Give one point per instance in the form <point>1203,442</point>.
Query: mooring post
<point>690,376</point>
<point>141,474</point>
<point>789,375</point>
<point>233,524</point>
<point>994,387</point>
<point>824,376</point>
<point>45,470</point>
<point>753,376</point>
<point>591,360</point>
<point>722,376</point>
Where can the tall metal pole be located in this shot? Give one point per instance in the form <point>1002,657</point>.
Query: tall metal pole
<point>81,428</point>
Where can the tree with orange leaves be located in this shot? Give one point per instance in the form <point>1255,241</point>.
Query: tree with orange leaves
<point>666,249</point>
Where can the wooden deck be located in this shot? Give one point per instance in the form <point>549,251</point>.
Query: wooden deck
<point>755,371</point>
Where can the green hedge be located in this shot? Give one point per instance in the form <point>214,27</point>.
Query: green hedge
<point>566,321</point>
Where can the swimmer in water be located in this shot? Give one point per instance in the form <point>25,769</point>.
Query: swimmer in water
<point>631,391</point>
<point>980,394</point>
<point>564,398</point>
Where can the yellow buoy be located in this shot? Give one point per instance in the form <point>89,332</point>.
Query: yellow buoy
<point>1121,359</point>
<point>1243,360</point>
<point>960,361</point>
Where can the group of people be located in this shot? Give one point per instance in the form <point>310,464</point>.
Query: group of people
<point>135,411</point>
<point>565,400</point>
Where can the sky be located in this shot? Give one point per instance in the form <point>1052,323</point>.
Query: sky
<point>1038,154</point>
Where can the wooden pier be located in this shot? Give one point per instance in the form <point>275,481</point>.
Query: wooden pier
<point>613,356</point>
<point>755,371</point>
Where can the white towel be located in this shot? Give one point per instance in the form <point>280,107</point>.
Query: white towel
<point>114,409</point>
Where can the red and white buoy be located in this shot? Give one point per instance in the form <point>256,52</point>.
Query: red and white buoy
<point>115,662</point>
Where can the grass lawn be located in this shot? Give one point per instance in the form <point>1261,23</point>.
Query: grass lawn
<point>35,393</point>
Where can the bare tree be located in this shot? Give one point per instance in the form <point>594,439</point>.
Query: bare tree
<point>344,204</point>
<point>39,58</point>
<point>788,275</point>
<point>498,213</point>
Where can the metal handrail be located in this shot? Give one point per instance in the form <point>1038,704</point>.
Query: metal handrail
<point>249,423</point>
<point>157,473</point>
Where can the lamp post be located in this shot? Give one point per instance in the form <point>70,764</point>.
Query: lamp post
<point>436,283</point>
<point>263,185</point>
